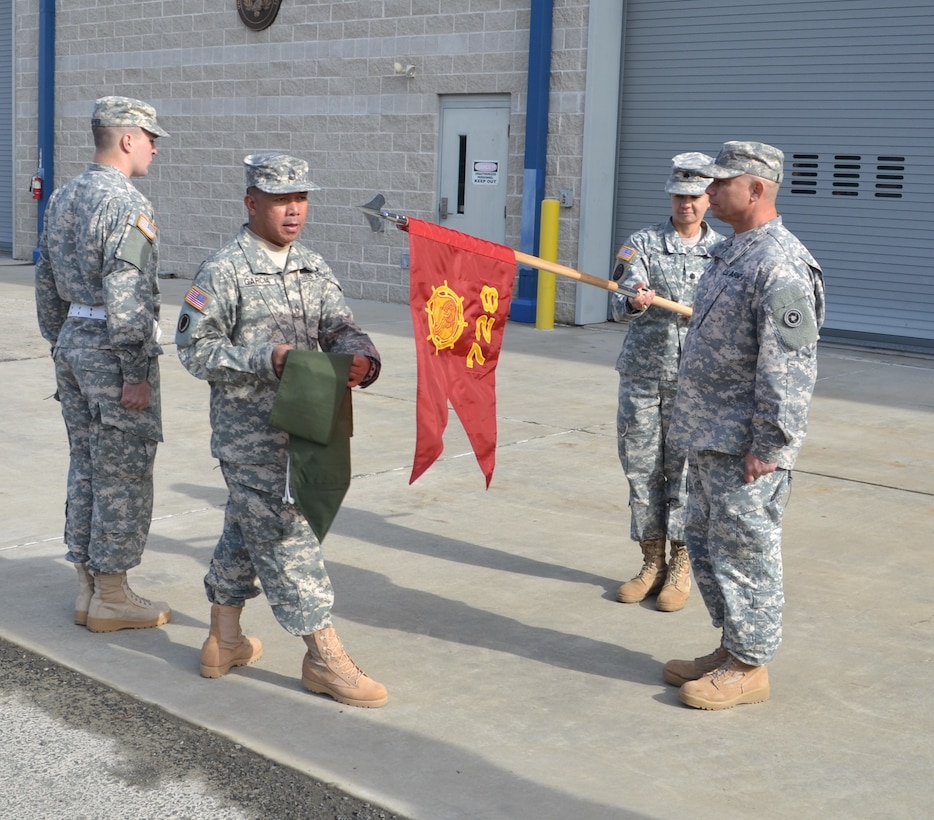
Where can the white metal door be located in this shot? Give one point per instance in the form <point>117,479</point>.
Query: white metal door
<point>472,171</point>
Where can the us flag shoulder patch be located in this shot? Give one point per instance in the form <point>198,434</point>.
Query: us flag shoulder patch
<point>626,254</point>
<point>197,298</point>
<point>148,227</point>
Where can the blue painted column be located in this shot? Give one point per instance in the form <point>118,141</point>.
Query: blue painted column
<point>523,305</point>
<point>46,114</point>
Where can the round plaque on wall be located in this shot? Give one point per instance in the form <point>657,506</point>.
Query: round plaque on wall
<point>258,14</point>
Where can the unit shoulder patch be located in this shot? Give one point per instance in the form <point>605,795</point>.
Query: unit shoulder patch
<point>136,245</point>
<point>793,317</point>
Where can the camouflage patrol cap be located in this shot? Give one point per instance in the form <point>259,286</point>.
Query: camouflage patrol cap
<point>684,179</point>
<point>738,158</point>
<point>125,111</point>
<point>277,173</point>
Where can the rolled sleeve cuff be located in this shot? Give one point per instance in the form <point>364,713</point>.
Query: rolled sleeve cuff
<point>373,373</point>
<point>134,365</point>
<point>261,363</point>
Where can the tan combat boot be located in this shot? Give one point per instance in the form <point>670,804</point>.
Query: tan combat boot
<point>226,646</point>
<point>329,670</point>
<point>115,606</point>
<point>674,594</point>
<point>85,593</point>
<point>650,578</point>
<point>732,684</point>
<point>677,673</point>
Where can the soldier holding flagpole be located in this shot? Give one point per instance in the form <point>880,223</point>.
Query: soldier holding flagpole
<point>671,257</point>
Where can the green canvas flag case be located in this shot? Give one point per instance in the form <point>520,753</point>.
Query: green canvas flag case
<point>313,405</point>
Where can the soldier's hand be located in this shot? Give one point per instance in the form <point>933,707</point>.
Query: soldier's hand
<point>279,352</point>
<point>135,396</point>
<point>644,299</point>
<point>358,370</point>
<point>754,468</point>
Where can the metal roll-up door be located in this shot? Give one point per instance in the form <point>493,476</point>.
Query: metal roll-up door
<point>845,90</point>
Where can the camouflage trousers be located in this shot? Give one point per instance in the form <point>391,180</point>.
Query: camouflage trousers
<point>112,451</point>
<point>268,540</point>
<point>734,538</point>
<point>655,471</point>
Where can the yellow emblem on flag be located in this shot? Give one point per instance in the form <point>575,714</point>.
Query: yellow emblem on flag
<point>445,311</point>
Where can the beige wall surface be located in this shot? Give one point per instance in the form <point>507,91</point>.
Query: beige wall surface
<point>318,83</point>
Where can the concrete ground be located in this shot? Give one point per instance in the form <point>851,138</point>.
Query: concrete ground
<point>518,686</point>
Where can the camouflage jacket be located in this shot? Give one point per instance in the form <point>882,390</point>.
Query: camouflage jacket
<point>655,337</point>
<point>100,248</point>
<point>238,310</point>
<point>750,357</point>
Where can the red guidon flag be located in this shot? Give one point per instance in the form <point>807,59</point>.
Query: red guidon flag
<point>459,296</point>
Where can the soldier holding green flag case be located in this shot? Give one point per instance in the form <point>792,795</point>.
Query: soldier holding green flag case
<point>260,296</point>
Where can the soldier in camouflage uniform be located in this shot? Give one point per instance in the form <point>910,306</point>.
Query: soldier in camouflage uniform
<point>259,296</point>
<point>97,299</point>
<point>744,391</point>
<point>671,258</point>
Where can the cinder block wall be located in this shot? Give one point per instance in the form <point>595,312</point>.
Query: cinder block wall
<point>318,83</point>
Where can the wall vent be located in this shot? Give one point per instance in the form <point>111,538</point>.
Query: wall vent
<point>848,175</point>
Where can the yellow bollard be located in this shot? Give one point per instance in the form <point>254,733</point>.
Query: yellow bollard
<point>548,250</point>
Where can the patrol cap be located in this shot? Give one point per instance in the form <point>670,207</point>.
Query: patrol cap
<point>684,179</point>
<point>738,158</point>
<point>125,111</point>
<point>277,173</point>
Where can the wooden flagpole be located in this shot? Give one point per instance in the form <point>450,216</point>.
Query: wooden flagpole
<point>596,281</point>
<point>375,212</point>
